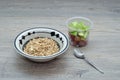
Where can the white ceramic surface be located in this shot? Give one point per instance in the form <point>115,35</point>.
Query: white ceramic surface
<point>29,34</point>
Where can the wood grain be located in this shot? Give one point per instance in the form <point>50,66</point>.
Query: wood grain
<point>103,48</point>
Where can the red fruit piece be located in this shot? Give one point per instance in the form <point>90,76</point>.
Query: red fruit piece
<point>82,43</point>
<point>77,38</point>
<point>72,37</point>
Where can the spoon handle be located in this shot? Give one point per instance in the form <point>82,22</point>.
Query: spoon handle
<point>94,66</point>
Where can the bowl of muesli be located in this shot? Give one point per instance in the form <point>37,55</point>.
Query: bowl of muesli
<point>41,44</point>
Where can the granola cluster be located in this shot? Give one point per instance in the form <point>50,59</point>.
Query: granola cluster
<point>41,47</point>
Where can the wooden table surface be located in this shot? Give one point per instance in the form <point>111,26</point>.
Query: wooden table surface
<point>103,48</point>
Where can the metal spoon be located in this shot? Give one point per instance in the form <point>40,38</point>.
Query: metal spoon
<point>79,55</point>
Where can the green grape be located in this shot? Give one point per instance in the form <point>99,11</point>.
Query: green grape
<point>81,29</point>
<point>73,33</point>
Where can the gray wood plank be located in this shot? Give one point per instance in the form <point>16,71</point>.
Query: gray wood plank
<point>103,48</point>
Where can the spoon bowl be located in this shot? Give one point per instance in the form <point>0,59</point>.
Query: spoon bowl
<point>78,54</point>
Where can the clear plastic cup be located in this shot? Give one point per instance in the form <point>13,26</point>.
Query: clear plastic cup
<point>78,30</point>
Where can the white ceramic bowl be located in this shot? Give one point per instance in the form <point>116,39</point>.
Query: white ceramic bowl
<point>29,34</point>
